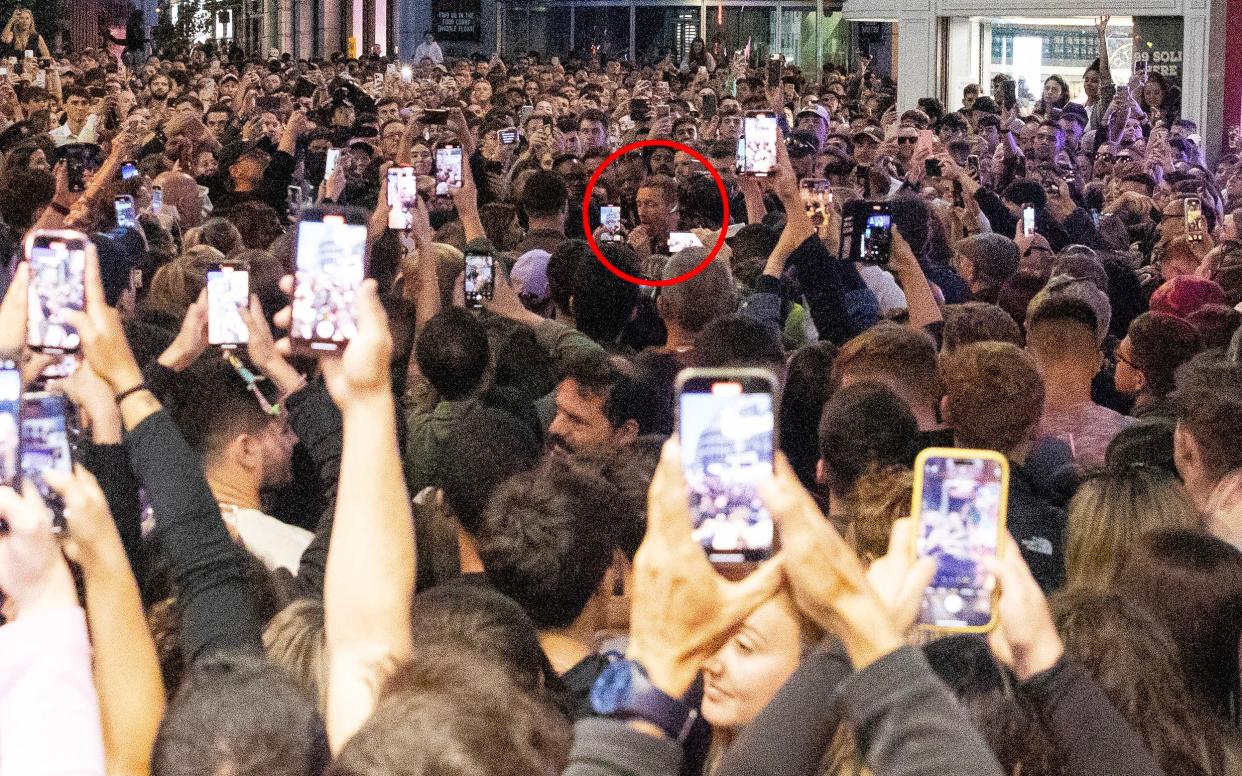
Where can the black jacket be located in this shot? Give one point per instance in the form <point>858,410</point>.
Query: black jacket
<point>1038,527</point>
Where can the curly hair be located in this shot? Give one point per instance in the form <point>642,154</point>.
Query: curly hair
<point>995,395</point>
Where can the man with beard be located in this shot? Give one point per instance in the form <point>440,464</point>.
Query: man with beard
<point>599,405</point>
<point>158,91</point>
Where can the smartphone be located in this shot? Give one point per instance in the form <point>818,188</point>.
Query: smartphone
<point>972,164</point>
<point>4,72</point>
<point>448,169</point>
<point>407,73</point>
<point>661,111</point>
<point>710,103</point>
<point>679,241</point>
<point>524,113</point>
<point>126,216</point>
<point>774,71</point>
<point>867,232</point>
<point>479,282</point>
<point>1140,66</point>
<point>960,498</point>
<point>157,199</point>
<point>435,117</point>
<point>1028,220</point>
<point>75,171</point>
<point>1195,228</point>
<point>10,424</point>
<point>330,265</point>
<point>610,219</point>
<point>402,189</point>
<point>816,198</point>
<point>57,284</point>
<point>129,170</point>
<point>757,145</point>
<point>932,168</point>
<point>330,161</point>
<point>507,136</point>
<point>40,79</point>
<point>29,54</point>
<point>46,444</point>
<point>1095,218</point>
<point>639,108</point>
<point>228,291</point>
<point>726,421</point>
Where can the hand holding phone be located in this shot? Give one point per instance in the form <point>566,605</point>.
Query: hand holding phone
<point>330,261</point>
<point>726,424</point>
<point>46,443</point>
<point>479,281</point>
<point>402,191</point>
<point>1196,228</point>
<point>228,292</point>
<point>1028,220</point>
<point>448,170</point>
<point>960,502</point>
<point>57,262</point>
<point>757,146</point>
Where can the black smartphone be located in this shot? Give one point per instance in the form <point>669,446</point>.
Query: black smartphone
<point>867,232</point>
<point>972,164</point>
<point>931,168</point>
<point>710,103</point>
<point>757,146</point>
<point>75,171</point>
<point>126,215</point>
<point>10,424</point>
<point>435,117</point>
<point>448,169</point>
<point>330,264</point>
<point>1140,66</point>
<point>726,422</point>
<point>960,500</point>
<point>402,191</point>
<point>775,65</point>
<point>639,108</point>
<point>479,282</point>
<point>57,285</point>
<point>46,445</point>
<point>228,293</point>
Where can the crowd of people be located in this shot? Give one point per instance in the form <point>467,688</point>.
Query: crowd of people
<point>459,540</point>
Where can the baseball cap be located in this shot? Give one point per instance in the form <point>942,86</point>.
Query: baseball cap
<point>870,133</point>
<point>1184,294</point>
<point>814,110</point>
<point>530,275</point>
<point>1073,110</point>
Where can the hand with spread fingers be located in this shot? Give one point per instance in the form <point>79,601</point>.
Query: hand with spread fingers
<point>683,611</point>
<point>33,572</point>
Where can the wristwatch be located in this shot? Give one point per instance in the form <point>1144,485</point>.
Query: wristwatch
<point>624,691</point>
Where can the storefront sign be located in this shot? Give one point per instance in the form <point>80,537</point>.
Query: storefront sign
<point>457,20</point>
<point>1158,40</point>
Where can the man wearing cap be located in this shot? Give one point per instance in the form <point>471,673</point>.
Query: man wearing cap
<point>985,261</point>
<point>814,119</point>
<point>1073,122</point>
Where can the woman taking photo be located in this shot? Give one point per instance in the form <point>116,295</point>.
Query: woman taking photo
<point>20,36</point>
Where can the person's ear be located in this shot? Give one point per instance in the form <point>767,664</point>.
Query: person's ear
<point>1187,456</point>
<point>821,473</point>
<point>626,434</point>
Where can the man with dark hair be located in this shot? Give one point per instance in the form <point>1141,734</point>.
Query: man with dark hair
<point>972,322</point>
<point>1061,335</point>
<point>450,357</point>
<point>902,358</point>
<point>246,452</point>
<point>544,200</point>
<point>592,128</point>
<point>985,261</point>
<point>549,540</point>
<point>1207,407</point>
<point>1155,345</point>
<point>80,123</point>
<point>237,713</point>
<point>599,404</point>
<point>864,427</point>
<point>601,303</point>
<point>994,398</point>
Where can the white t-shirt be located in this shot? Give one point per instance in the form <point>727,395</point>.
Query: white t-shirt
<point>276,543</point>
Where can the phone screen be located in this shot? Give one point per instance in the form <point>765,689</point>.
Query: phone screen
<point>774,71</point>
<point>402,190</point>
<point>331,265</point>
<point>816,197</point>
<point>329,164</point>
<point>228,291</point>
<point>45,439</point>
<point>875,235</point>
<point>129,170</point>
<point>157,199</point>
<point>1028,220</point>
<point>10,423</point>
<point>726,421</point>
<point>1194,219</point>
<point>125,214</point>
<point>75,171</point>
<point>610,219</point>
<point>960,500</point>
<point>508,136</point>
<point>479,282</point>
<point>57,284</point>
<point>679,241</point>
<point>757,147</point>
<point>1140,66</point>
<point>448,170</point>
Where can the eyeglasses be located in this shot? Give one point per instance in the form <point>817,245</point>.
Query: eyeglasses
<point>907,140</point>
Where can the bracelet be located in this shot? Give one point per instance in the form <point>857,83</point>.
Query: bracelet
<point>123,395</point>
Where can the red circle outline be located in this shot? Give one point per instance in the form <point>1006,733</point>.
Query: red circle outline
<point>586,211</point>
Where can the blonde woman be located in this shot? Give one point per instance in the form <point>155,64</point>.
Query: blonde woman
<point>1111,511</point>
<point>20,36</point>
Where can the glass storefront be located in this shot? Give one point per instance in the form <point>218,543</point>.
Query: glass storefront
<point>602,30</point>
<point>1030,50</point>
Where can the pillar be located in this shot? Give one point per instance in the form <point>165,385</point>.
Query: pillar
<point>329,28</point>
